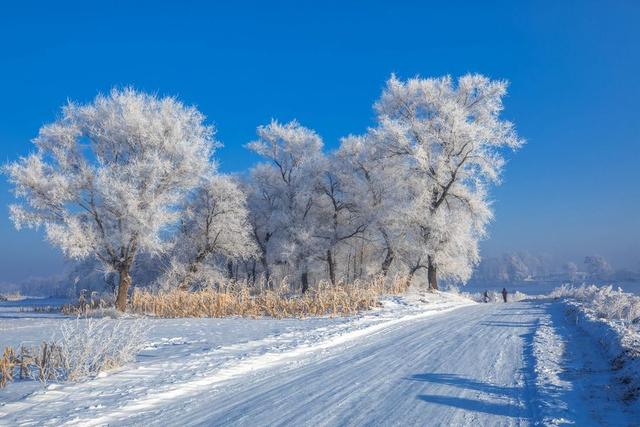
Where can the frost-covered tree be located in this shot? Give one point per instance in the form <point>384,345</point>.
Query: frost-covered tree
<point>450,234</point>
<point>597,267</point>
<point>262,207</point>
<point>373,187</point>
<point>286,188</point>
<point>451,138</point>
<point>571,270</point>
<point>214,224</point>
<point>517,270</point>
<point>340,220</point>
<point>107,178</point>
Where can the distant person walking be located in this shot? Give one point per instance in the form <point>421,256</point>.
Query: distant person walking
<point>485,297</point>
<point>504,294</point>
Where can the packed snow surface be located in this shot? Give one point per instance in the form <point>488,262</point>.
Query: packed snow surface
<point>427,359</point>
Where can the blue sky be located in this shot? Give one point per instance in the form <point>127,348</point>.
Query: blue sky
<point>574,69</point>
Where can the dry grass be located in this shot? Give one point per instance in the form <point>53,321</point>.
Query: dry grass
<point>92,304</point>
<point>43,363</point>
<point>7,366</point>
<point>84,348</point>
<point>242,299</point>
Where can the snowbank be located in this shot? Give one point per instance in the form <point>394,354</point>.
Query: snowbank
<point>612,318</point>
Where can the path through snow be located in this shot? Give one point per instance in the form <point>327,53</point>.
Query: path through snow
<point>476,365</point>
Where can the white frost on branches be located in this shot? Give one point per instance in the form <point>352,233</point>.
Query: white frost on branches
<point>450,138</point>
<point>90,346</point>
<point>132,174</point>
<point>214,224</point>
<point>107,177</point>
<point>285,187</point>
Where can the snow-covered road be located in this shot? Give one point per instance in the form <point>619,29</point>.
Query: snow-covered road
<point>469,365</point>
<point>462,368</point>
<point>475,366</point>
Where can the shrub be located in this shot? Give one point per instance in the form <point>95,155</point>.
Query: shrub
<point>605,302</point>
<point>90,346</point>
<point>85,348</point>
<point>7,365</point>
<point>43,363</point>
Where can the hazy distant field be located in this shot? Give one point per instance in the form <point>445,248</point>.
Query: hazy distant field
<point>539,288</point>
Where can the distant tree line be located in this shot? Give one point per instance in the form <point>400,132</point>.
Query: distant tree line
<point>521,266</point>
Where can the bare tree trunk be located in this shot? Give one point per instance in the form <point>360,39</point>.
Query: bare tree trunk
<point>431,274</point>
<point>332,267</point>
<point>388,259</point>
<point>253,271</point>
<point>410,275</point>
<point>304,277</point>
<point>265,266</point>
<point>230,269</point>
<point>355,265</point>
<point>361,261</point>
<point>123,289</point>
<point>263,254</point>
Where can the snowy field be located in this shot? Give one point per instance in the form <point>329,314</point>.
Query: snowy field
<point>423,359</point>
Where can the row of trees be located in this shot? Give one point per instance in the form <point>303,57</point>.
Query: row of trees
<point>130,181</point>
<point>519,266</point>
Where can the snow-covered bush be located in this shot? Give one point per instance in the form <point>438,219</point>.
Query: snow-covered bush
<point>84,348</point>
<point>90,346</point>
<point>605,301</point>
<point>518,296</point>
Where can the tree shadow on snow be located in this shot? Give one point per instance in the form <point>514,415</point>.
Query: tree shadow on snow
<point>477,405</point>
<point>472,405</point>
<point>530,312</point>
<point>466,383</point>
<point>508,324</point>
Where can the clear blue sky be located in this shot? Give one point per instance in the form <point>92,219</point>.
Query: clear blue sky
<point>573,66</point>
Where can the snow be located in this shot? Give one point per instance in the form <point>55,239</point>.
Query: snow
<point>422,359</point>
<point>610,317</point>
<point>575,382</point>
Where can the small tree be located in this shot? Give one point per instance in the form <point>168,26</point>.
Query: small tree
<point>571,270</point>
<point>214,223</point>
<point>374,191</point>
<point>286,187</point>
<point>597,267</point>
<point>107,178</point>
<point>339,221</point>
